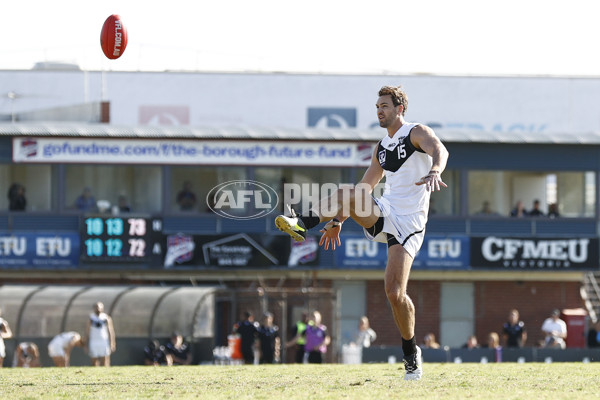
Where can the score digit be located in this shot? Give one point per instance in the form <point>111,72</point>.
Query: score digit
<point>137,226</point>
<point>137,247</point>
<point>114,226</point>
<point>94,247</point>
<point>94,226</point>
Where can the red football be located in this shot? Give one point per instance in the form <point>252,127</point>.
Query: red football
<point>113,37</point>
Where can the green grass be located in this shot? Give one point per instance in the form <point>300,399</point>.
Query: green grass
<point>329,381</point>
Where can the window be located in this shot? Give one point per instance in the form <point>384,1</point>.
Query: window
<point>199,181</point>
<point>573,193</point>
<point>140,187</point>
<point>36,180</point>
<point>446,201</point>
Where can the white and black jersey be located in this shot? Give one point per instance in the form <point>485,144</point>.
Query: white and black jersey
<point>404,165</point>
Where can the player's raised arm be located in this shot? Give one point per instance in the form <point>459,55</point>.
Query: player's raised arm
<point>424,138</point>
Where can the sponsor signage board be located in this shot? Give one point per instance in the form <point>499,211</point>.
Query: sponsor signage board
<point>39,250</point>
<point>511,253</point>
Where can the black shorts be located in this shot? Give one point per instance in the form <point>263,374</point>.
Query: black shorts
<point>376,230</point>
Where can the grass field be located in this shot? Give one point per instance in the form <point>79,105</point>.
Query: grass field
<point>329,381</point>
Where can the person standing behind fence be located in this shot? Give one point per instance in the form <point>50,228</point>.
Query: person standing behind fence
<point>317,339</point>
<point>513,331</point>
<point>268,335</point>
<point>248,330</point>
<point>61,345</point>
<point>555,330</point>
<point>298,338</point>
<point>100,336</point>
<point>5,333</point>
<point>365,334</point>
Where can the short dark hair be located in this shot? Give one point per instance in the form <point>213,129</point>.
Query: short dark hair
<point>399,97</point>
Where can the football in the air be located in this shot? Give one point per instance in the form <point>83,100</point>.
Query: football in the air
<point>113,37</point>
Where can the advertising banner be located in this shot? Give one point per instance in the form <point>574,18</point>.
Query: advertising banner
<point>239,250</point>
<point>219,152</point>
<point>33,250</point>
<point>437,252</point>
<point>509,253</point>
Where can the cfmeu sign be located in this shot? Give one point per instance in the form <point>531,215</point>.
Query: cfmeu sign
<point>534,253</point>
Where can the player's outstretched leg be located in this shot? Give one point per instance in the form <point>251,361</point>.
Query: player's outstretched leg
<point>292,225</point>
<point>413,366</point>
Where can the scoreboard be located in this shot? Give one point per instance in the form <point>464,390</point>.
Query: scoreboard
<point>115,239</point>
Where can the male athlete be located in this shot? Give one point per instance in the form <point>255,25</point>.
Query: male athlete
<point>412,159</point>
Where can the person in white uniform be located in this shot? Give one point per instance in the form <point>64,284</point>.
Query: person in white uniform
<point>412,159</point>
<point>555,331</point>
<point>61,345</point>
<point>5,333</point>
<point>100,336</point>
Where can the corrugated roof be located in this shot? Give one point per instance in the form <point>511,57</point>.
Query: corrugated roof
<point>271,133</point>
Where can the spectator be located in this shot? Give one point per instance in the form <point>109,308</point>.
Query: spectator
<point>365,334</point>
<point>60,347</point>
<point>268,335</point>
<point>519,210</point>
<point>486,210</point>
<point>86,201</point>
<point>27,355</point>
<point>555,331</point>
<point>593,337</point>
<point>248,330</point>
<point>553,211</point>
<point>155,354</point>
<point>179,350</point>
<point>16,197</point>
<point>513,331</point>
<point>493,341</point>
<point>429,342</point>
<point>299,338</point>
<point>100,336</point>
<point>317,339</point>
<point>186,198</point>
<point>123,204</point>
<point>472,343</point>
<point>535,211</point>
<point>5,333</point>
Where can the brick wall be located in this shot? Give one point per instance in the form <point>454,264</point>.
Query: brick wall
<point>493,301</point>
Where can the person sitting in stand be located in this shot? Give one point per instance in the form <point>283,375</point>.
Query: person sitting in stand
<point>519,210</point>
<point>535,211</point>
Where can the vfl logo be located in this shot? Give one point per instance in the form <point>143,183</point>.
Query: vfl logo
<point>365,151</point>
<point>332,117</point>
<point>180,248</point>
<point>29,147</point>
<point>381,155</point>
<point>242,199</point>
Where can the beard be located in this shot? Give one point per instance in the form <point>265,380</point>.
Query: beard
<point>384,123</point>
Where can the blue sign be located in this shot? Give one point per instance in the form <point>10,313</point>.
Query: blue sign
<point>357,252</point>
<point>38,250</point>
<point>443,252</point>
<point>437,252</point>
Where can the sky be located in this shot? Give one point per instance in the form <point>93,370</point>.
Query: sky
<point>460,37</point>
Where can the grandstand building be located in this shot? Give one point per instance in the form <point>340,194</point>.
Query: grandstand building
<point>140,137</point>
